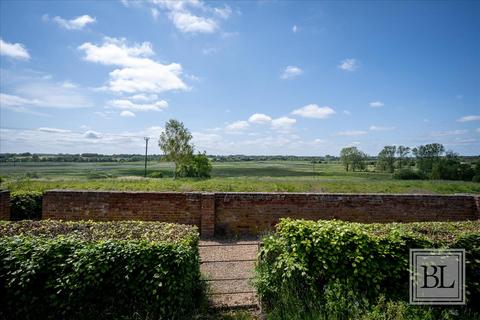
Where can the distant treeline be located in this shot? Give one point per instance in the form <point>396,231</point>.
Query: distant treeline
<point>95,157</point>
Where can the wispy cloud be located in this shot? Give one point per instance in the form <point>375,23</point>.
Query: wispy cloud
<point>314,111</point>
<point>352,133</point>
<point>129,105</point>
<point>376,104</point>
<point>283,123</point>
<point>127,114</point>
<point>14,50</point>
<point>237,126</point>
<point>380,128</point>
<point>295,28</point>
<point>348,64</point>
<point>469,118</point>
<point>77,23</point>
<point>291,72</point>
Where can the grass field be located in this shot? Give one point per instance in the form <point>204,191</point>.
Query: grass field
<point>266,176</point>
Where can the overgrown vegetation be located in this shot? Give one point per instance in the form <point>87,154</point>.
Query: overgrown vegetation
<point>26,205</point>
<point>311,270</point>
<point>87,270</point>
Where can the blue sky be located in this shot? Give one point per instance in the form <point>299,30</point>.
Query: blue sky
<point>264,77</point>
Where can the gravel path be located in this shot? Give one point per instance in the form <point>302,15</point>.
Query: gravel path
<point>228,269</point>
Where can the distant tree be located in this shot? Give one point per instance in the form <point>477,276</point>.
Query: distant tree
<point>427,155</point>
<point>402,154</point>
<point>386,159</point>
<point>197,166</point>
<point>352,158</point>
<point>175,143</point>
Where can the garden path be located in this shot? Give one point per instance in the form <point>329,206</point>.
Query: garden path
<point>228,267</point>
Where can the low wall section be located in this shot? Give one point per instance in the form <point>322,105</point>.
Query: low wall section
<point>253,213</point>
<point>4,205</point>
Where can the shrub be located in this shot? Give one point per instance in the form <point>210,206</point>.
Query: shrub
<point>92,273</point>
<point>408,174</point>
<point>198,166</point>
<point>156,174</point>
<point>327,261</point>
<point>26,205</point>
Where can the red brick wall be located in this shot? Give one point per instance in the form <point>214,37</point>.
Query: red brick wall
<point>257,212</point>
<point>232,213</point>
<point>104,206</point>
<point>5,205</point>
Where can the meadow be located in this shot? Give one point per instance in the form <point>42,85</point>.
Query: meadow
<point>239,176</point>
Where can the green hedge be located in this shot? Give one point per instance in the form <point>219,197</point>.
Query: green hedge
<point>26,205</point>
<point>81,270</point>
<point>317,263</point>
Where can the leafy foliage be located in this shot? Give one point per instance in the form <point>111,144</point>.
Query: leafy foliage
<point>352,158</point>
<point>197,166</point>
<point>409,174</point>
<point>175,143</point>
<point>45,274</point>
<point>327,261</point>
<point>26,205</point>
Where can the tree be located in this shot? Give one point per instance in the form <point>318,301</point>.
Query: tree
<point>175,143</point>
<point>402,154</point>
<point>427,155</point>
<point>198,166</point>
<point>386,158</point>
<point>353,158</point>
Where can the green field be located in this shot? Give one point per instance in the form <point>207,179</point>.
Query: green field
<point>267,176</point>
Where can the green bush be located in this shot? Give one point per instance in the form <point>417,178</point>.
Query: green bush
<point>408,174</point>
<point>155,174</point>
<point>47,274</point>
<point>26,205</point>
<point>196,166</point>
<point>328,261</point>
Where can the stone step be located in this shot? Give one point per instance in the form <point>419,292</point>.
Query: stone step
<point>236,300</point>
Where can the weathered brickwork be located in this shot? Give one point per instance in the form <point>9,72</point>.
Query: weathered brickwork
<point>4,205</point>
<point>182,208</point>
<point>257,212</point>
<point>253,213</point>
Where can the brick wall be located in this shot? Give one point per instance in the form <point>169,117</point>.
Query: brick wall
<point>232,213</point>
<point>4,205</point>
<point>257,212</point>
<point>182,208</point>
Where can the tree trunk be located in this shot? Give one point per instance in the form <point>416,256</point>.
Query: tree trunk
<point>175,171</point>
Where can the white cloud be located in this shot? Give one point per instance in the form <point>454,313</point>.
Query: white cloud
<point>90,134</point>
<point>283,123</point>
<point>69,85</point>
<point>259,118</point>
<point>209,51</point>
<point>376,104</point>
<point>469,118</point>
<point>295,29</point>
<point>346,112</point>
<point>352,133</point>
<point>348,64</point>
<point>13,50</point>
<point>56,130</point>
<point>137,73</point>
<point>182,15</point>
<point>190,23</point>
<point>237,126</point>
<point>448,133</point>
<point>144,97</point>
<point>224,12</point>
<point>77,23</point>
<point>291,72</point>
<point>379,128</point>
<point>129,105</point>
<point>127,114</point>
<point>478,130</point>
<point>314,111</point>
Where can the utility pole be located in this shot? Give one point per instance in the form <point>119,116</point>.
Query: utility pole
<point>146,149</point>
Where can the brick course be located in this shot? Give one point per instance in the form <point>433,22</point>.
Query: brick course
<point>4,205</point>
<point>253,213</point>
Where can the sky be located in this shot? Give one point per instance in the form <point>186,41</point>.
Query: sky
<point>245,77</point>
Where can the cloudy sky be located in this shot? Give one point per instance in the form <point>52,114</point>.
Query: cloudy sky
<point>259,77</point>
